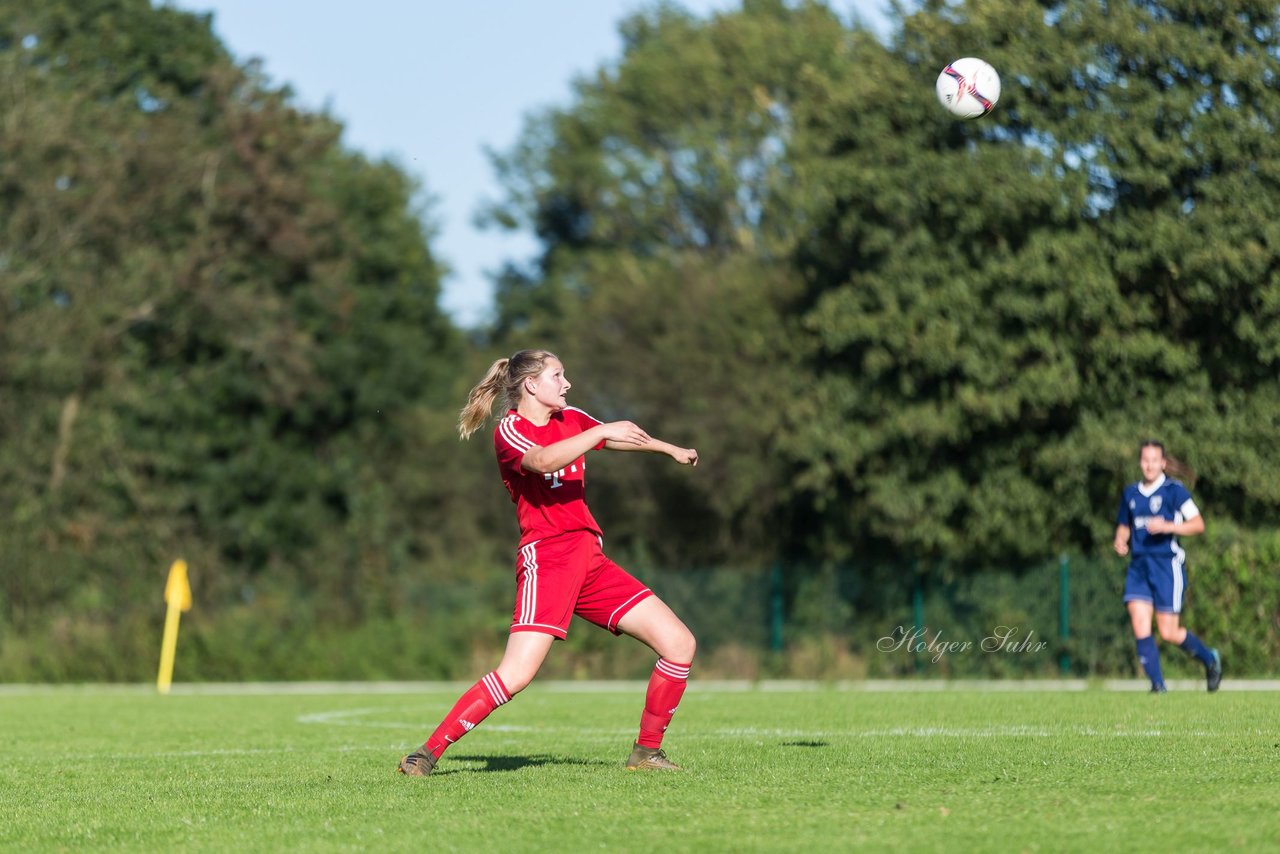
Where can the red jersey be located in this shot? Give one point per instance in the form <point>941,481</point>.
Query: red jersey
<point>546,504</point>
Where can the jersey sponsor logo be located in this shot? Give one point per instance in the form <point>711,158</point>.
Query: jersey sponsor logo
<point>555,476</point>
<point>1156,501</point>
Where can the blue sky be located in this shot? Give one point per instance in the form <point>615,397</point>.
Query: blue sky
<point>416,81</point>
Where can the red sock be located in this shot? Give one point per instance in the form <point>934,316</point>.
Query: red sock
<point>472,707</point>
<point>666,687</point>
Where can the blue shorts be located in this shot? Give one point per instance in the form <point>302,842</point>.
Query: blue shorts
<point>1158,579</point>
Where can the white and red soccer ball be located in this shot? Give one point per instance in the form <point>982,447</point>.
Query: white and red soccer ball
<point>968,87</point>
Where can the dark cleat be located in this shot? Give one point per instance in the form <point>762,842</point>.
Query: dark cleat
<point>650,759</point>
<point>417,764</point>
<point>1213,673</point>
<point>1158,689</point>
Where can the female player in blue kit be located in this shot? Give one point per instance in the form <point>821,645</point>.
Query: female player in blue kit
<point>1153,513</point>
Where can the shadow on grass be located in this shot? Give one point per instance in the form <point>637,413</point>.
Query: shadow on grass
<point>515,763</point>
<point>804,744</point>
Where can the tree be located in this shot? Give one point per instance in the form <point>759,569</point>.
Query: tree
<point>219,331</point>
<point>1002,309</point>
<point>667,202</point>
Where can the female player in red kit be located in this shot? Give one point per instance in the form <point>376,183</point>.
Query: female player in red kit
<point>561,569</point>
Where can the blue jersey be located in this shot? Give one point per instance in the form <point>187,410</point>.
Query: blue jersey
<point>1165,499</point>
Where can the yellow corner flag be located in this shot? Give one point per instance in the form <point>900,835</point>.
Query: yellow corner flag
<point>177,593</point>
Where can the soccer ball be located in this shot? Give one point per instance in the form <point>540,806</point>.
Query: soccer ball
<point>968,87</point>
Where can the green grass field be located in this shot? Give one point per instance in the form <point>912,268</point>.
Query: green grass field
<point>785,770</point>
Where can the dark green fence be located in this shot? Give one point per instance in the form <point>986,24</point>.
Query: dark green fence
<point>1062,616</point>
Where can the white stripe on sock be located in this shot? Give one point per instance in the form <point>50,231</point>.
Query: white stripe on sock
<point>679,673</point>
<point>494,686</point>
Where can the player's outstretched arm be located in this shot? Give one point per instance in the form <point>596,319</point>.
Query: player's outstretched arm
<point>684,456</point>
<point>557,455</point>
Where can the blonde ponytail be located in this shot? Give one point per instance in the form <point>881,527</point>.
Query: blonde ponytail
<point>480,400</point>
<point>504,378</point>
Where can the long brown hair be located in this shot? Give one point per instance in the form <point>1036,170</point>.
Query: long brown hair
<point>1173,466</point>
<point>504,380</point>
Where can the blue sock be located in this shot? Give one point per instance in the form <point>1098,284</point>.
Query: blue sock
<point>1196,647</point>
<point>1150,658</point>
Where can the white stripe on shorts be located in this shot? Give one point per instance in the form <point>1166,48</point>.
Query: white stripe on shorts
<point>611,622</point>
<point>1179,558</point>
<point>529,595</point>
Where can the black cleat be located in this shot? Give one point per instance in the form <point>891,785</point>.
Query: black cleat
<point>1158,689</point>
<point>420,763</point>
<point>1213,673</point>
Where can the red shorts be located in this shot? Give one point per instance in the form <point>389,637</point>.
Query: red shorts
<point>566,575</point>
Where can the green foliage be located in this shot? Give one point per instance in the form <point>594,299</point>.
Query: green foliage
<point>1002,308</point>
<point>1233,598</point>
<point>667,204</point>
<point>219,331</point>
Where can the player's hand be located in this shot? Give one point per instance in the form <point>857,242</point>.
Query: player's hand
<point>1122,546</point>
<point>1159,525</point>
<point>685,456</point>
<point>627,432</point>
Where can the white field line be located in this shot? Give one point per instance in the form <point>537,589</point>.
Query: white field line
<point>351,718</point>
<point>736,733</point>
<point>905,686</point>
